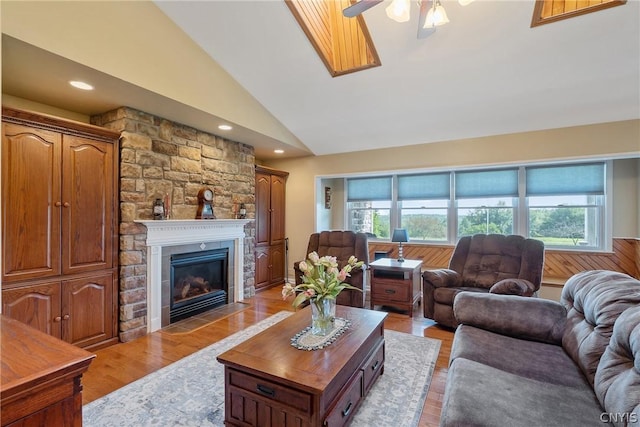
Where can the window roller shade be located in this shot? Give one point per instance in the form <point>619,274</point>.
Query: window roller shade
<point>565,180</point>
<point>424,186</point>
<point>364,189</point>
<point>489,183</point>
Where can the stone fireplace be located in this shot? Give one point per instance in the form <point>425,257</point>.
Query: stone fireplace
<point>172,161</point>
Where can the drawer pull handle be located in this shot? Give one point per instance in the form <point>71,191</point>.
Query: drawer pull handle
<point>347,410</point>
<point>390,291</point>
<point>266,390</point>
<point>375,365</point>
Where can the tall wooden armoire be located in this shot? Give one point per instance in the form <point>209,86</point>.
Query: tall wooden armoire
<point>270,227</point>
<point>60,227</point>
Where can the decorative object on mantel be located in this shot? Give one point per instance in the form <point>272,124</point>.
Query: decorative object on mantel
<point>167,206</point>
<point>158,209</point>
<point>205,204</point>
<point>321,284</point>
<point>242,212</point>
<point>306,340</point>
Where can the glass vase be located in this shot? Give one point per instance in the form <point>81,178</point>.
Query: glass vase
<point>323,315</point>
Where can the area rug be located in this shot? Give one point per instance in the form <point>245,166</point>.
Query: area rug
<point>190,392</point>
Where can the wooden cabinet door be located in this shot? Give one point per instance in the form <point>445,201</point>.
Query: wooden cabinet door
<point>30,203</point>
<point>263,208</point>
<point>277,232</point>
<point>87,309</point>
<point>37,306</point>
<point>263,267</point>
<point>87,205</point>
<point>276,262</point>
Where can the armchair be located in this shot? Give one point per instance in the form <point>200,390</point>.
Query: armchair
<point>491,263</point>
<point>341,244</point>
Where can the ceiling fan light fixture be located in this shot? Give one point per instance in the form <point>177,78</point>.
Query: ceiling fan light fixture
<point>398,10</point>
<point>436,16</point>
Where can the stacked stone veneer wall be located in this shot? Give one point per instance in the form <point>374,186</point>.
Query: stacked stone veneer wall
<point>157,158</point>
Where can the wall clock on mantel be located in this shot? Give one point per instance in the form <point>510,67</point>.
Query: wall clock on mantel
<point>205,204</point>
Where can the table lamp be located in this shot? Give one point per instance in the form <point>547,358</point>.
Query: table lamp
<point>400,235</point>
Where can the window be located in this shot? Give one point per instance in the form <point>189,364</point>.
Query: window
<point>562,205</point>
<point>566,204</point>
<point>423,202</point>
<point>546,11</point>
<point>369,205</point>
<point>485,201</point>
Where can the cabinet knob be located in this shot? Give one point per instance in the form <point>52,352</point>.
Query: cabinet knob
<point>57,319</point>
<point>65,317</point>
<point>66,204</point>
<point>57,204</point>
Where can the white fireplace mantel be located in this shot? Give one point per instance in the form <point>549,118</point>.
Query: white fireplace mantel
<point>163,233</point>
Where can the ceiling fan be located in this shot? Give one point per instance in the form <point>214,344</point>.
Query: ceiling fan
<point>432,13</point>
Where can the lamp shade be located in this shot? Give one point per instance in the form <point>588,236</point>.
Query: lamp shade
<point>398,10</point>
<point>436,16</point>
<point>400,235</point>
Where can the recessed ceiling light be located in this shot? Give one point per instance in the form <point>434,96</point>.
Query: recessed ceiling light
<point>80,85</point>
<point>225,127</point>
<point>278,151</point>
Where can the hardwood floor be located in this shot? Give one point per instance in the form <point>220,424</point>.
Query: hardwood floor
<point>123,363</point>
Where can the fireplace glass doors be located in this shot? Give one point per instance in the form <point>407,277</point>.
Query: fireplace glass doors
<point>199,282</point>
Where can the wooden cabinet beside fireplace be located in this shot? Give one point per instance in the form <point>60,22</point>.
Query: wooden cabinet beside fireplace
<point>59,226</point>
<point>270,227</point>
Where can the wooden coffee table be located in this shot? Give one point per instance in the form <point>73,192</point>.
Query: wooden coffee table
<point>268,382</point>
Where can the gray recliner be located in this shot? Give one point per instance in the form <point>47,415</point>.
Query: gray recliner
<point>483,263</point>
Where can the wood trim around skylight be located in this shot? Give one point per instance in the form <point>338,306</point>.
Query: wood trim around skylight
<point>546,11</point>
<point>343,44</point>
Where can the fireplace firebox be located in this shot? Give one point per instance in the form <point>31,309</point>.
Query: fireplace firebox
<point>199,282</point>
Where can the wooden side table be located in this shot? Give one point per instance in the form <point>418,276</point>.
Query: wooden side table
<point>395,284</point>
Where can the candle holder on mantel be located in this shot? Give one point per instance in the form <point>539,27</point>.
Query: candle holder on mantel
<point>242,212</point>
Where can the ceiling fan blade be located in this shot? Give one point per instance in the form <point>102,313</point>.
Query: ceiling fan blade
<point>359,7</point>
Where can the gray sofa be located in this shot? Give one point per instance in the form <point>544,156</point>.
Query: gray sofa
<point>519,361</point>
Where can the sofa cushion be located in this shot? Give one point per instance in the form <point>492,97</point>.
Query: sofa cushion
<point>447,295</point>
<point>529,359</point>
<point>481,395</point>
<point>535,319</point>
<point>520,287</point>
<point>594,300</point>
<point>617,380</point>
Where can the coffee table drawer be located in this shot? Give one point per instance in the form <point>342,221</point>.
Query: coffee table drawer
<point>344,410</point>
<point>373,367</point>
<point>272,391</point>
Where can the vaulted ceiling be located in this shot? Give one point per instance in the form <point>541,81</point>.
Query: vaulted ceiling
<point>487,72</point>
